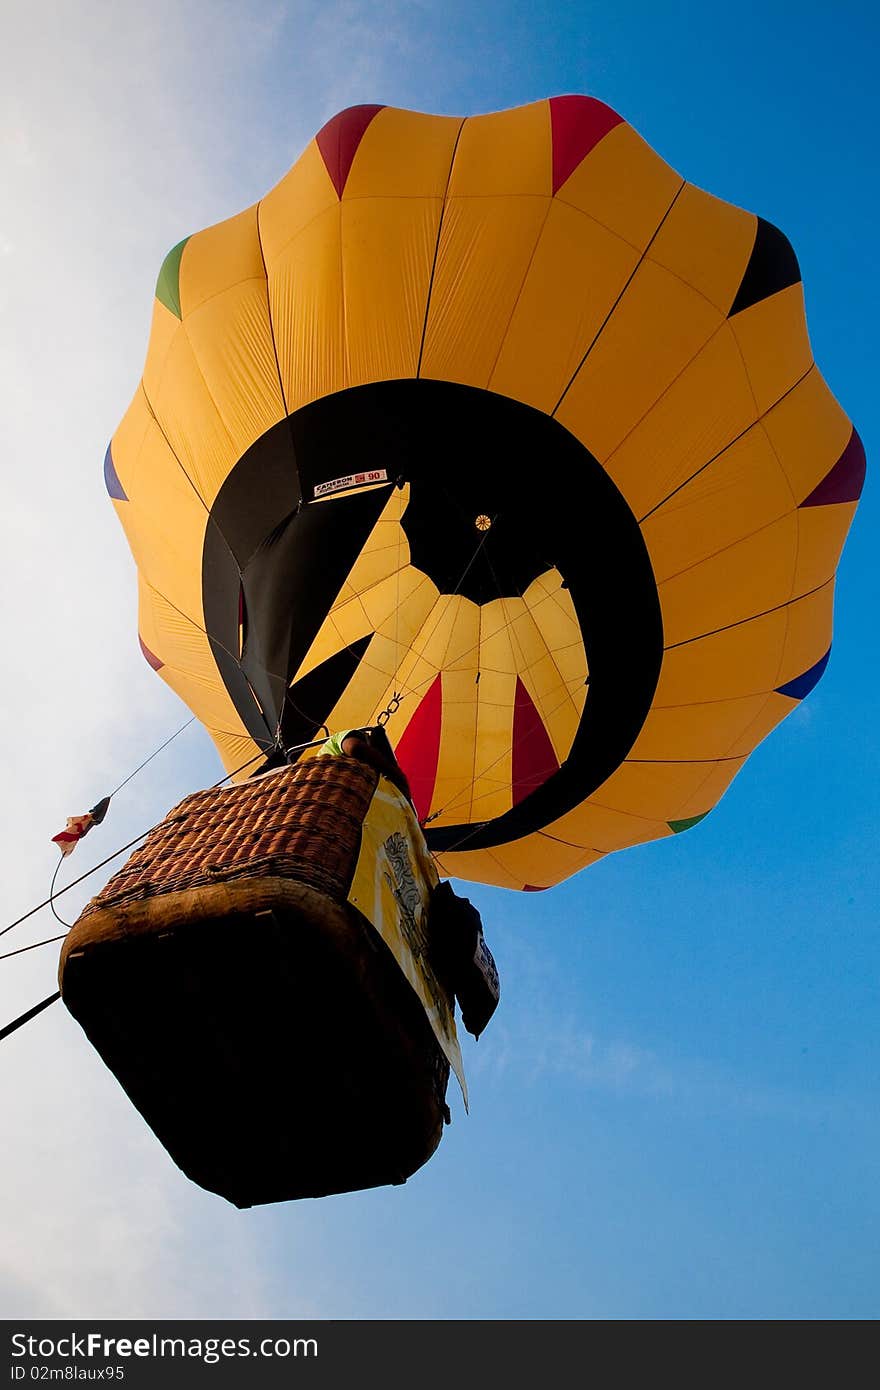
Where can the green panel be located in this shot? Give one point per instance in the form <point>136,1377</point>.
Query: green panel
<point>676,826</point>
<point>168,284</point>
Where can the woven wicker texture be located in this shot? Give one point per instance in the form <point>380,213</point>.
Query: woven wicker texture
<point>302,823</point>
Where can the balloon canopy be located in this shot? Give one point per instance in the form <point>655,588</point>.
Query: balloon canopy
<point>502,419</point>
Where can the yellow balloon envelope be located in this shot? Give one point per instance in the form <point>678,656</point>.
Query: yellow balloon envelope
<point>501,424</point>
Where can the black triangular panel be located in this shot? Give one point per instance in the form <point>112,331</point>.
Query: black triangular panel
<point>772,267</point>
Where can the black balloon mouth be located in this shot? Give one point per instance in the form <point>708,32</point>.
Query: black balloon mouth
<point>499,493</point>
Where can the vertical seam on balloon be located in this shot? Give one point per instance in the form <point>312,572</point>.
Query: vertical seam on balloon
<point>766,433</point>
<point>519,292</point>
<point>211,522</point>
<point>562,682</point>
<point>275,344</point>
<point>752,618</point>
<point>437,247</point>
<point>174,454</point>
<point>731,545</point>
<point>623,291</point>
<point>345,359</point>
<point>708,464</point>
<point>797,551</point>
<point>198,366</point>
<point>192,622</point>
<point>520,661</point>
<point>668,387</point>
<point>470,810</point>
<point>451,803</point>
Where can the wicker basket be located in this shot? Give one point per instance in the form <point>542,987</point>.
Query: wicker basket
<point>254,1017</point>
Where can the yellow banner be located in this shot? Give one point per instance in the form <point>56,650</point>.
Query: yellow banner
<point>392,887</point>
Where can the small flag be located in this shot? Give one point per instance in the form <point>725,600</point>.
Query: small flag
<point>77,826</point>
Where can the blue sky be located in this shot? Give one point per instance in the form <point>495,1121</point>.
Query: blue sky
<point>674,1113</point>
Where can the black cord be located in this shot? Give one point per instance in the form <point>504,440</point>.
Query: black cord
<point>26,1017</point>
<point>33,946</point>
<point>52,895</point>
<point>115,855</point>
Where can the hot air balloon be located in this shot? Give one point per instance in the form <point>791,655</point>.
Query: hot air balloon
<point>497,430</point>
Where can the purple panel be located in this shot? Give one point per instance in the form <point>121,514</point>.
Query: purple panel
<point>845,481</point>
<point>111,478</point>
<point>802,685</point>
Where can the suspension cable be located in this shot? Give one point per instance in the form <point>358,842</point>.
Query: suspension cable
<point>26,1017</point>
<point>116,853</point>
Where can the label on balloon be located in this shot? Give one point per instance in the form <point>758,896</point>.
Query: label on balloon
<point>372,475</point>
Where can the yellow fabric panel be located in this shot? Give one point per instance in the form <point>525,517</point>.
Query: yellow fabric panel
<point>808,634</point>
<point>773,710</point>
<point>235,751</point>
<point>742,580</point>
<point>576,274</point>
<point>305,192</point>
<point>404,600</point>
<point>700,414</point>
<point>486,245</point>
<point>699,732</point>
<point>535,633</point>
<point>386,604</point>
<point>189,666</point>
<point>218,258</point>
<point>809,432</point>
<point>772,335</point>
<point>657,791</point>
<point>658,327</point>
<point>624,185</point>
<point>403,154</point>
<point>558,702</point>
<point>506,152</point>
<point>361,697</point>
<point>231,338</point>
<point>305,296</point>
<point>541,860</point>
<point>422,659</point>
<point>485,761</point>
<point>164,519</point>
<point>706,242</point>
<point>386,550</point>
<point>375,565</point>
<point>480,866</point>
<point>602,830</point>
<point>741,660</point>
<point>710,792</point>
<point>452,637</point>
<point>499,665</point>
<point>741,492</point>
<point>821,534</point>
<point>182,405</point>
<point>388,252</point>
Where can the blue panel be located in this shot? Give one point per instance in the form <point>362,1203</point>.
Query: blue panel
<point>802,685</point>
<point>114,486</point>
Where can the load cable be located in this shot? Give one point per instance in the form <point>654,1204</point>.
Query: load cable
<point>48,902</point>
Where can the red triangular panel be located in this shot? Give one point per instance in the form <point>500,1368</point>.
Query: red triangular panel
<point>156,662</point>
<point>534,759</point>
<point>418,751</point>
<point>338,141</point>
<point>577,125</point>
